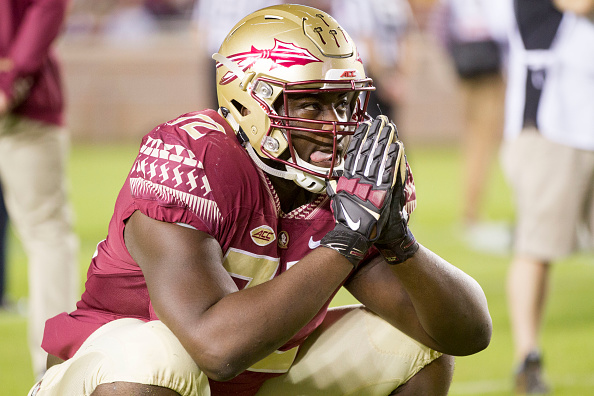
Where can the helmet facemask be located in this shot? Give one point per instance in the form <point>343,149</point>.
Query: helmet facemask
<point>284,126</point>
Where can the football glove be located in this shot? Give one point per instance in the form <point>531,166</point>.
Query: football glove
<point>396,242</point>
<point>361,197</point>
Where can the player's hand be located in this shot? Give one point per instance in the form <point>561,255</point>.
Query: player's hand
<point>5,66</point>
<point>3,103</point>
<point>362,195</point>
<point>396,242</point>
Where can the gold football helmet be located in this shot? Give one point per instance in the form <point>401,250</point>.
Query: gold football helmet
<point>276,52</point>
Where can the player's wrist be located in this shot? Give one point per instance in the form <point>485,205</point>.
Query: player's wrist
<point>352,245</point>
<point>400,247</point>
<point>398,243</point>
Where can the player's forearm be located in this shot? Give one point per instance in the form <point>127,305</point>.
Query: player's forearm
<point>450,305</point>
<point>244,327</point>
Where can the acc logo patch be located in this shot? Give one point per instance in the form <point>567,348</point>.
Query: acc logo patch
<point>263,235</point>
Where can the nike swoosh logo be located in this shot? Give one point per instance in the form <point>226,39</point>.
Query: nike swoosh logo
<point>353,225</point>
<point>313,244</point>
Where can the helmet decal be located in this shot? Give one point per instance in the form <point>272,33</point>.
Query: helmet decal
<point>282,54</point>
<point>256,84</point>
<point>321,16</point>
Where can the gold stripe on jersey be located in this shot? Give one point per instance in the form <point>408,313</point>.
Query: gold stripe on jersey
<point>276,362</point>
<point>257,269</point>
<point>198,121</point>
<point>253,268</point>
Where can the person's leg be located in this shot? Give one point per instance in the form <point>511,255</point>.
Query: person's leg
<point>483,98</point>
<point>551,183</point>
<point>34,163</point>
<point>527,290</point>
<point>527,287</point>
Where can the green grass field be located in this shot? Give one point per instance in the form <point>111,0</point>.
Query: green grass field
<point>96,173</point>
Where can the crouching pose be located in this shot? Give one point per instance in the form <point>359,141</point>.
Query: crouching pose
<point>236,227</point>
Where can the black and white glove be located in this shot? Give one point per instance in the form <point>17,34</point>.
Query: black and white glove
<point>362,196</point>
<point>396,242</point>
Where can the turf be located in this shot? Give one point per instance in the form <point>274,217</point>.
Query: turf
<point>96,173</point>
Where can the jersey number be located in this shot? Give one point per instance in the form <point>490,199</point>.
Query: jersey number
<point>256,269</point>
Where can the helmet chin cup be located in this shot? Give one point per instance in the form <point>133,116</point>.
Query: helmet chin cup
<point>307,181</point>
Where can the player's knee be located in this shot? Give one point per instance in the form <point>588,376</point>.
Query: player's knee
<point>132,389</point>
<point>433,379</point>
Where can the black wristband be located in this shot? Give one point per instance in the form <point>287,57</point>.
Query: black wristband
<point>399,250</point>
<point>350,244</point>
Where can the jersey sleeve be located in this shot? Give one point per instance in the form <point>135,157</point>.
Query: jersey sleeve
<point>169,180</point>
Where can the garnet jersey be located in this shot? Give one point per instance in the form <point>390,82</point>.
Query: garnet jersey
<point>193,171</point>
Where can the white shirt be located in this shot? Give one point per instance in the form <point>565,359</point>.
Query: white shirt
<point>566,108</point>
<point>383,21</point>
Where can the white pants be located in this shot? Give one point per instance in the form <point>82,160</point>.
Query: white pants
<point>353,352</point>
<point>33,162</point>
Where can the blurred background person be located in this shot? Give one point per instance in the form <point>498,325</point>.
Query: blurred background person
<point>121,23</point>
<point>129,21</point>
<point>379,27</point>
<point>212,22</point>
<point>33,159</point>
<point>171,14</point>
<point>474,35</point>
<point>548,159</point>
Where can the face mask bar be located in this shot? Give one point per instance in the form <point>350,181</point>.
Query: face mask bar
<point>338,130</point>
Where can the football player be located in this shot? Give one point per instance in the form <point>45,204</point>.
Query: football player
<point>236,227</point>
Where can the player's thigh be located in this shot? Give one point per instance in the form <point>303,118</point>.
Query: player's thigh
<point>127,351</point>
<point>353,352</point>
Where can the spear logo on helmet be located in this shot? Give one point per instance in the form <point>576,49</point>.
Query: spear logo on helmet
<point>282,54</point>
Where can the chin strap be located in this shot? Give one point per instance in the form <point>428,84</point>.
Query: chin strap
<point>268,169</point>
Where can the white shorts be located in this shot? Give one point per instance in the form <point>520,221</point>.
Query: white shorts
<point>553,187</point>
<point>353,352</point>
